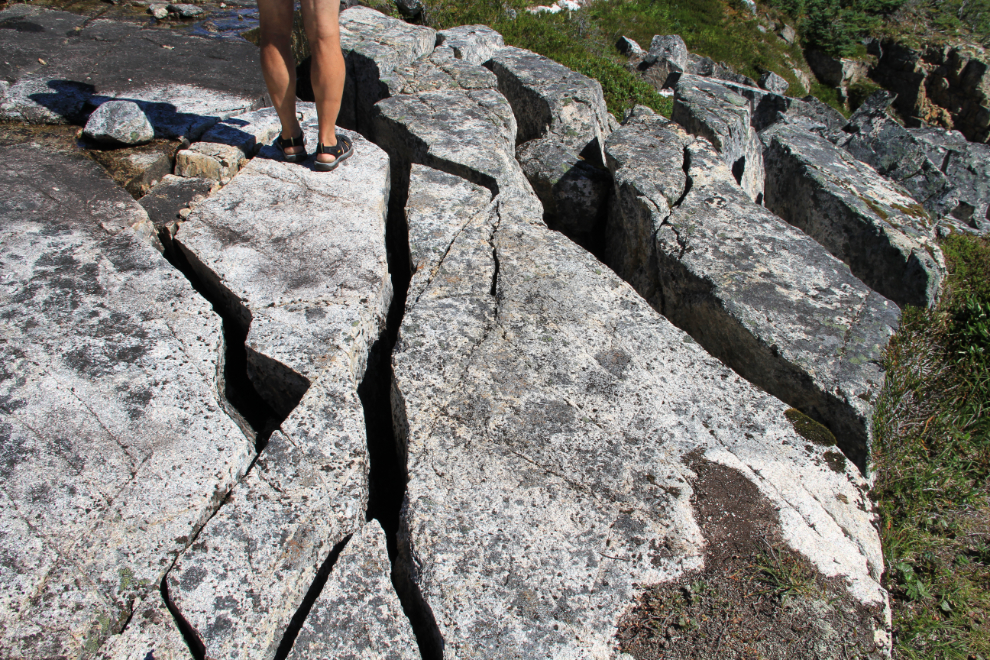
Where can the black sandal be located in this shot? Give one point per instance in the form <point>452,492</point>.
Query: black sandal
<point>283,144</point>
<point>340,151</point>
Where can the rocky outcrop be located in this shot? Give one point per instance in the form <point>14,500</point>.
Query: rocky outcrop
<point>761,296</point>
<point>116,444</point>
<point>313,301</point>
<point>967,165</point>
<point>474,44</point>
<point>724,118</point>
<point>838,72</point>
<point>884,236</point>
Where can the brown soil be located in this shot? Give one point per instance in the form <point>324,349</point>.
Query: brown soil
<point>754,599</point>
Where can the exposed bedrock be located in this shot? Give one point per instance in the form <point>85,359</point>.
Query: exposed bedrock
<point>64,65</point>
<point>967,164</point>
<point>547,411</point>
<point>562,123</point>
<point>871,224</point>
<point>755,292</point>
<point>116,447</point>
<point>299,258</point>
<point>719,114</point>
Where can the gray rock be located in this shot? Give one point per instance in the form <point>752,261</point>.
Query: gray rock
<point>723,117</point>
<point>411,9</point>
<point>886,146</point>
<point>264,243</point>
<point>375,45</point>
<point>358,615</point>
<point>670,47</point>
<point>548,98</point>
<point>440,71</point>
<point>251,130</point>
<point>159,11</point>
<point>152,631</point>
<point>630,48</point>
<point>818,112</point>
<point>139,168</point>
<point>300,257</point>
<point>185,10</point>
<point>119,122</point>
<point>546,420</point>
<point>438,207</point>
<point>116,444</point>
<point>172,194</point>
<point>660,73</point>
<point>771,82</point>
<point>573,191</point>
<point>788,34</point>
<point>758,294</point>
<point>967,166</point>
<point>472,43</point>
<point>38,99</point>
<point>870,223</point>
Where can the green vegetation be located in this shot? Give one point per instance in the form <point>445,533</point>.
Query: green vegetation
<point>932,461</point>
<point>837,26</point>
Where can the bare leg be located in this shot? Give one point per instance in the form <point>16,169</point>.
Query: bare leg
<point>327,68</point>
<point>277,64</point>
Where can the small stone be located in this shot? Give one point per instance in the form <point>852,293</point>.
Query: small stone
<point>183,10</point>
<point>771,82</point>
<point>119,122</point>
<point>158,11</point>
<point>210,160</point>
<point>788,34</point>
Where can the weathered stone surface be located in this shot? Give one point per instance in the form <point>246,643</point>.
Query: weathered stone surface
<point>723,117</point>
<point>439,71</point>
<point>119,122</point>
<point>137,169</point>
<point>300,257</point>
<point>172,194</point>
<point>184,84</point>
<point>358,615</point>
<point>630,48</point>
<point>210,160</point>
<point>758,294</point>
<point>771,82</point>
<point>788,34</point>
<point>151,632</point>
<point>183,10</point>
<point>884,236</point>
<point>375,45</point>
<point>818,112</point>
<point>252,130</point>
<point>547,420</point>
<point>116,445</point>
<point>550,99</point>
<point>438,207</point>
<point>573,191</point>
<point>967,165</point>
<point>886,146</point>
<point>472,43</point>
<point>669,47</point>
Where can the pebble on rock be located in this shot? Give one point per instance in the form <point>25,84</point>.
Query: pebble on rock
<point>119,122</point>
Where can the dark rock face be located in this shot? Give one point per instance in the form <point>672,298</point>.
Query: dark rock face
<point>884,236</point>
<point>172,194</point>
<point>760,295</point>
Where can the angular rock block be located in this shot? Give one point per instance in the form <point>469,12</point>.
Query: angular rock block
<point>138,169</point>
<point>548,98</point>
<point>758,294</point>
<point>375,45</point>
<point>547,412</point>
<point>967,165</point>
<point>871,224</point>
<point>209,160</point>
<point>119,122</point>
<point>358,615</point>
<point>472,43</point>
<point>172,194</point>
<point>300,257</point>
<point>439,71</point>
<point>724,118</point>
<point>299,260</point>
<point>116,444</point>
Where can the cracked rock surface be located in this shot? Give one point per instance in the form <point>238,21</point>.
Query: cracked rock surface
<point>116,447</point>
<point>758,294</point>
<point>871,224</point>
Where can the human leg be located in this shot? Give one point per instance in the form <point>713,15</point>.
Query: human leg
<point>327,68</point>
<point>278,65</point>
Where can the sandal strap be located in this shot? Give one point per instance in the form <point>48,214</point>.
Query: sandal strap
<point>335,150</point>
<point>292,141</point>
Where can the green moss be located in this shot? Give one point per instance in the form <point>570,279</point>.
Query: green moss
<point>835,461</point>
<point>809,429</point>
<point>874,207</point>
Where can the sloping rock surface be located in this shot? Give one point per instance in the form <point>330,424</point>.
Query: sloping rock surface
<point>758,294</point>
<point>871,224</point>
<point>116,445</point>
<point>299,258</point>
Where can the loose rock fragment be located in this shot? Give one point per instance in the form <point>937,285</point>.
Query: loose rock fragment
<point>120,122</point>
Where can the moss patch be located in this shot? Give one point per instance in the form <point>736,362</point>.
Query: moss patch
<point>809,429</point>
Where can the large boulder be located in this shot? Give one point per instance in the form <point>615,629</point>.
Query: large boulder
<point>297,258</point>
<point>116,441</point>
<point>885,237</point>
<point>758,294</point>
<point>717,113</point>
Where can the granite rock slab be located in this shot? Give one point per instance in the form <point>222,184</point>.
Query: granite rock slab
<point>546,411</point>
<point>117,445</point>
<point>760,295</point>
<point>357,615</point>
<point>724,118</point>
<point>439,71</point>
<point>172,194</point>
<point>472,43</point>
<point>870,223</point>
